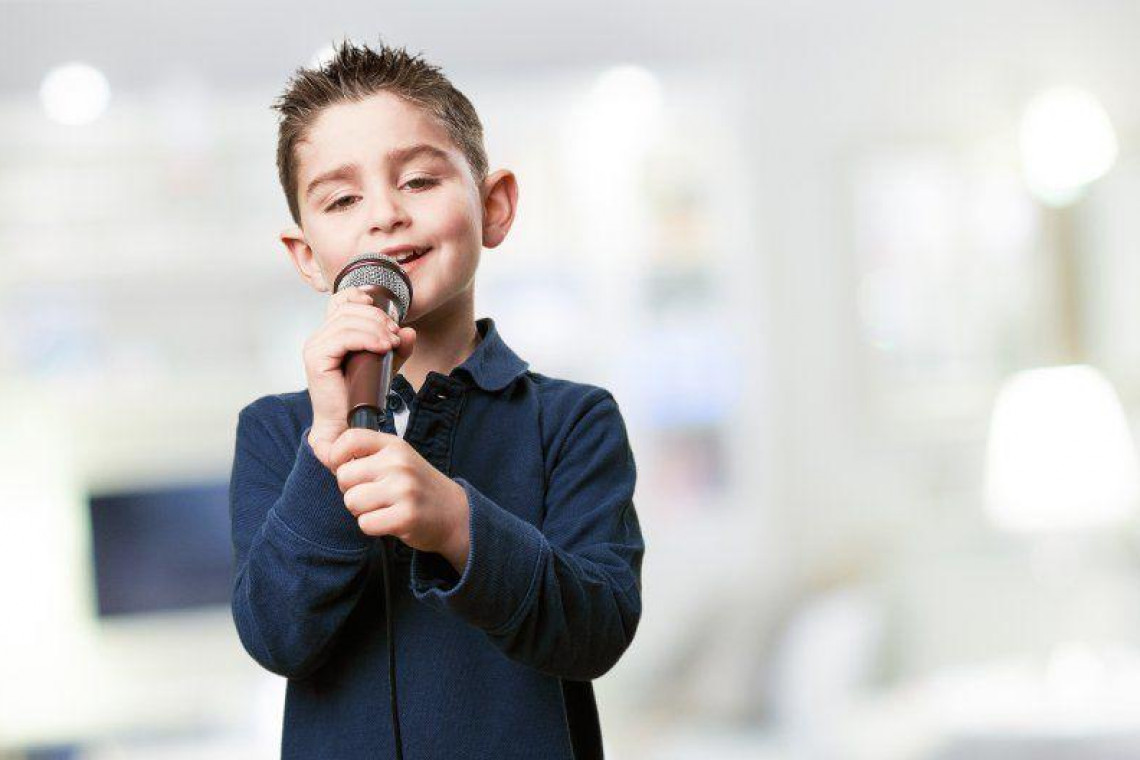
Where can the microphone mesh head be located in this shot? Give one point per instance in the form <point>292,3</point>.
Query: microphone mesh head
<point>374,269</point>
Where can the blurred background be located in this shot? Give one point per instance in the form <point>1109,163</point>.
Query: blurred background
<point>862,276</point>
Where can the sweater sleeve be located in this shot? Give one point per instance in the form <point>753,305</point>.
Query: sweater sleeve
<point>565,599</point>
<point>300,559</point>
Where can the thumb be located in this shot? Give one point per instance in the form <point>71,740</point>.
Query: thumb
<point>404,350</point>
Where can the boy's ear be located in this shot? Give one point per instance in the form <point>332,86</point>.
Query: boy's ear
<point>500,194</point>
<point>303,258</point>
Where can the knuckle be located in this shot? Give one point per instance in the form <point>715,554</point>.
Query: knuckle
<point>403,521</point>
<point>367,521</point>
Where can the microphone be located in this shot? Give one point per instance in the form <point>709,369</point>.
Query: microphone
<point>369,375</point>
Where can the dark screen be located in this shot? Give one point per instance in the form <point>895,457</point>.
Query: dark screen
<point>159,549</point>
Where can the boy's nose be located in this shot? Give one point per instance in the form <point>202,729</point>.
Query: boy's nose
<point>386,214</point>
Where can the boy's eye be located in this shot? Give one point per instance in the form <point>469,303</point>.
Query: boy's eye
<point>425,182</point>
<point>339,203</point>
<point>416,183</point>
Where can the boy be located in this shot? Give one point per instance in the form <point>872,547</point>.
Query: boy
<point>517,572</point>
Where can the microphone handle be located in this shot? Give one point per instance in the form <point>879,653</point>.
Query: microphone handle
<point>369,377</point>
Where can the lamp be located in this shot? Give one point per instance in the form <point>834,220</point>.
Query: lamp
<point>1067,142</point>
<point>1060,455</point>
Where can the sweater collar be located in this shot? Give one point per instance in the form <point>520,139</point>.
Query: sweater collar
<point>492,366</point>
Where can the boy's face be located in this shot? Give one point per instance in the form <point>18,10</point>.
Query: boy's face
<point>358,193</point>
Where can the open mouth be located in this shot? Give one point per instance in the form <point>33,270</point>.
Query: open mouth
<point>407,258</point>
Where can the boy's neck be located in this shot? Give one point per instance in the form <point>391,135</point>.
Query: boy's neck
<point>444,340</point>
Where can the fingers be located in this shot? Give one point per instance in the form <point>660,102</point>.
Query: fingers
<point>325,351</point>
<point>355,334</point>
<point>351,326</point>
<point>348,295</point>
<point>365,312</point>
<point>378,494</point>
<point>362,470</point>
<point>367,497</point>
<point>404,348</point>
<point>357,300</point>
<point>352,323</point>
<point>356,443</point>
<point>351,305</point>
<point>383,522</point>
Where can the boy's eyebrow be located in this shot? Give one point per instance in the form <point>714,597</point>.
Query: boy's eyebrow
<point>395,156</point>
<point>345,171</point>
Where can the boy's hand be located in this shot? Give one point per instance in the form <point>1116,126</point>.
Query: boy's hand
<point>392,490</point>
<point>351,323</point>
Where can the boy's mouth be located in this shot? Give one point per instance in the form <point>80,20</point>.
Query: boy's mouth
<point>410,256</point>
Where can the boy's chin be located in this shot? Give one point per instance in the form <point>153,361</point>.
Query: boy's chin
<point>416,317</point>
<point>413,316</point>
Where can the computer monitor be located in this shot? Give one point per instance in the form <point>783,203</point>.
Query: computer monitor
<point>161,548</point>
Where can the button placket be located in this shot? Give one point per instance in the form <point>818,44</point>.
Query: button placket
<point>396,403</point>
<point>433,418</point>
<point>436,414</point>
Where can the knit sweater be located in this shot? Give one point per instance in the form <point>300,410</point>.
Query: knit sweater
<point>496,662</point>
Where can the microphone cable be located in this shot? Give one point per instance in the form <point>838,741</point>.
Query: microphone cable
<point>385,546</point>
<point>372,419</point>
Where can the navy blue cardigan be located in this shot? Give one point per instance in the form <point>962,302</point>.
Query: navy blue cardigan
<point>495,663</point>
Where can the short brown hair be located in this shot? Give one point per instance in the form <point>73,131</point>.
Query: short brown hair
<point>356,72</point>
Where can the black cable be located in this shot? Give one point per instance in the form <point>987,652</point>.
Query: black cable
<point>373,419</point>
<point>385,545</point>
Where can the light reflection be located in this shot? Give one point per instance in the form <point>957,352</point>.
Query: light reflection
<point>1067,141</point>
<point>75,94</point>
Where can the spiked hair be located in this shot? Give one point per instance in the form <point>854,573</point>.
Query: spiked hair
<point>356,72</point>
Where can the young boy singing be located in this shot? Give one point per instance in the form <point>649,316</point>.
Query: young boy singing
<point>509,494</point>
